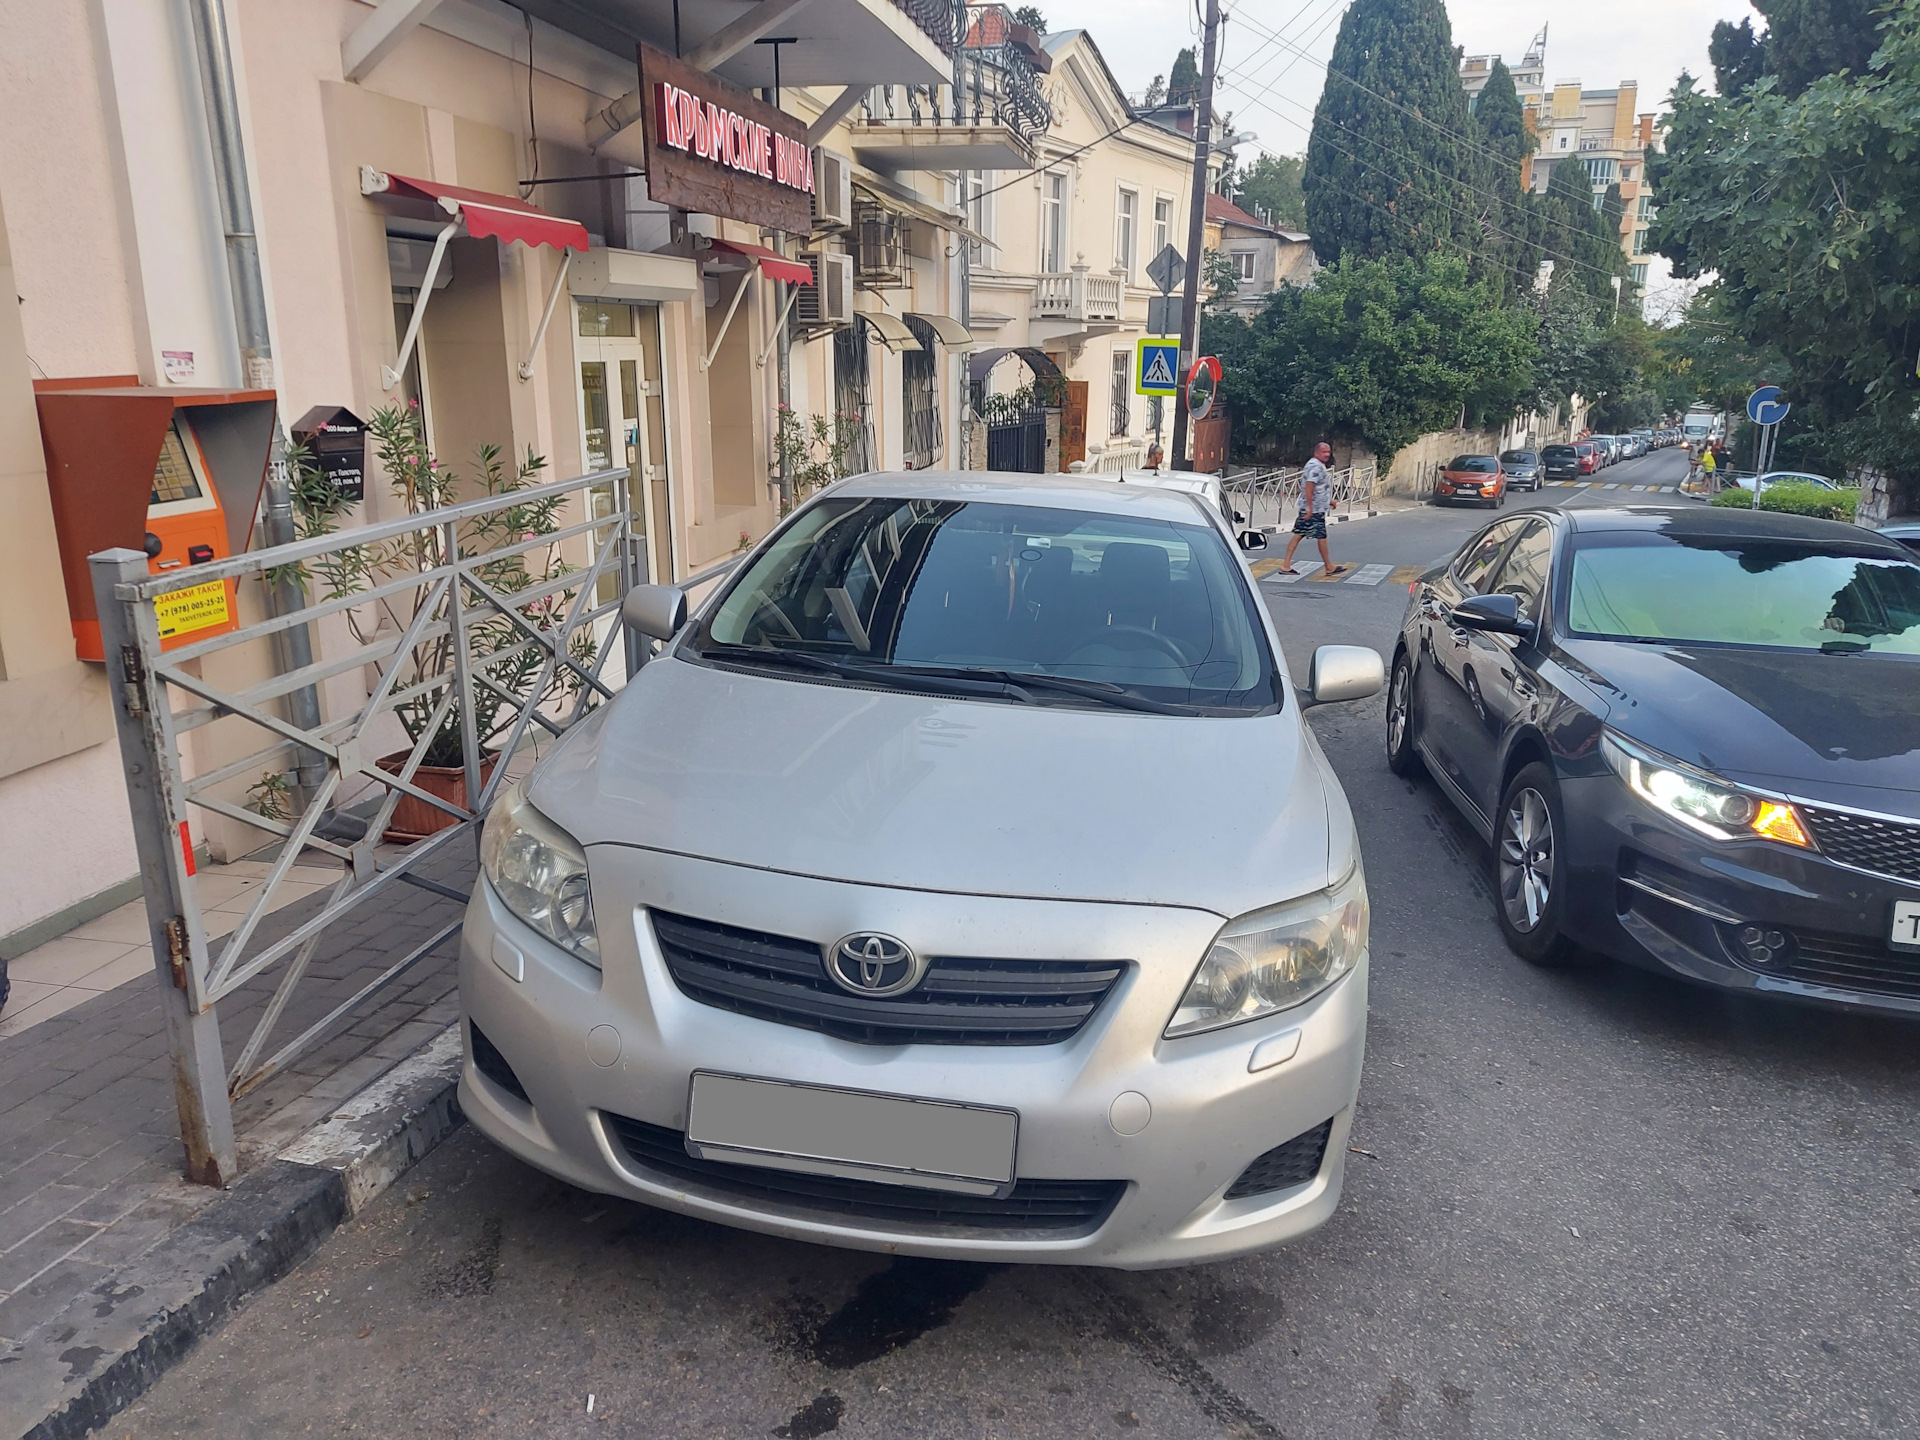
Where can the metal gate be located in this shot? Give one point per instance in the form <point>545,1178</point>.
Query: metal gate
<point>1021,446</point>
<point>492,616</point>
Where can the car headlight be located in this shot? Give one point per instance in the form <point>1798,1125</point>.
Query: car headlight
<point>1276,958</point>
<point>540,873</point>
<point>1701,801</point>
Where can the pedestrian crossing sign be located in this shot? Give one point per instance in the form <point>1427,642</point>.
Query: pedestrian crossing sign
<point>1156,367</point>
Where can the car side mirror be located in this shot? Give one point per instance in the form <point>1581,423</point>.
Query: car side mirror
<point>655,610</point>
<point>1498,613</point>
<point>1252,540</point>
<point>1343,672</point>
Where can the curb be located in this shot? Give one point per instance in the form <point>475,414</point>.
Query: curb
<point>131,1328</point>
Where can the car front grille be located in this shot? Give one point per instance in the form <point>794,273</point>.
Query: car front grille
<point>1052,1207</point>
<point>1844,962</point>
<point>1886,847</point>
<point>1284,1166</point>
<point>960,1002</point>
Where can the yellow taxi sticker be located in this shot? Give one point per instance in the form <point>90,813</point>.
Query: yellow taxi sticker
<point>198,607</point>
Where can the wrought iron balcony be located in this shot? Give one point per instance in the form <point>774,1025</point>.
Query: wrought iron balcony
<point>991,118</point>
<point>937,19</point>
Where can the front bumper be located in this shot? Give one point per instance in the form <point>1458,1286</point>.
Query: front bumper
<point>1651,892</point>
<point>590,1050</point>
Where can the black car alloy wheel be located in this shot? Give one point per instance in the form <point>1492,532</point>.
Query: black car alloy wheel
<point>1402,758</point>
<point>1529,892</point>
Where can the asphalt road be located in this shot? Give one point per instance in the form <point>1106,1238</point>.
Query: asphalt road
<point>1586,1204</point>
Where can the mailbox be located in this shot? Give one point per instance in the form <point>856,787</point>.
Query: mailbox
<point>173,471</point>
<point>338,439</point>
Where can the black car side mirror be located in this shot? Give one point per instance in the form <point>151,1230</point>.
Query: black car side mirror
<point>1252,540</point>
<point>1499,614</point>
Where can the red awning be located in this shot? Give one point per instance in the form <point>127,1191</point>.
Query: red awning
<point>502,215</point>
<point>772,263</point>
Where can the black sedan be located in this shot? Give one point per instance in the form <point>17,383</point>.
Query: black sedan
<point>1692,738</point>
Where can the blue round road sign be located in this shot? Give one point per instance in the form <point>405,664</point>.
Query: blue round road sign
<point>1765,407</point>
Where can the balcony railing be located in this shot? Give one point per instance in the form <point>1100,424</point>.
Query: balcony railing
<point>936,18</point>
<point>998,83</point>
<point>1077,295</point>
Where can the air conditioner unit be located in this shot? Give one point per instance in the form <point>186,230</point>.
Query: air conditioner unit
<point>829,299</point>
<point>833,190</point>
<point>879,247</point>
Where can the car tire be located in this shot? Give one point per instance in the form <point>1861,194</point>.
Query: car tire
<point>1529,891</point>
<point>1402,758</point>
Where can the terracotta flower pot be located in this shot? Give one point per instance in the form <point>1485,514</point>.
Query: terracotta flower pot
<point>415,819</point>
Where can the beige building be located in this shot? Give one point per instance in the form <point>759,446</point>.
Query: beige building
<point>369,135</point>
<point>1601,130</point>
<point>1262,257</point>
<point>1059,280</point>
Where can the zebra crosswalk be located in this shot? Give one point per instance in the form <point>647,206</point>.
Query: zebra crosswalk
<point>1312,570</point>
<point>1604,485</point>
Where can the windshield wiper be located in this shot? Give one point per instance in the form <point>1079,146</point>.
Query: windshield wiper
<point>1104,691</point>
<point>1843,647</point>
<point>935,682</point>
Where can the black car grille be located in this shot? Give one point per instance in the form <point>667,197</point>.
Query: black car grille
<point>1284,1166</point>
<point>960,1002</point>
<point>1844,962</point>
<point>488,1060</point>
<point>1886,847</point>
<point>1050,1206</point>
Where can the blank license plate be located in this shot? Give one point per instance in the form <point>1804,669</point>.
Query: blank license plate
<point>932,1144</point>
<point>1906,925</point>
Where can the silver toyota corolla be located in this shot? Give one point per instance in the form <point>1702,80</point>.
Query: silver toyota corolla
<point>960,881</point>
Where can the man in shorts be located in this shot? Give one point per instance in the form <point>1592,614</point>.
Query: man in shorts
<point>1316,494</point>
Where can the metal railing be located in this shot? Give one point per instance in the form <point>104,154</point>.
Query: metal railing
<point>994,85</point>
<point>1270,498</point>
<point>480,627</point>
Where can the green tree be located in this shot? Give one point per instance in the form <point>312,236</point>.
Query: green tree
<point>1386,162</point>
<point>1739,58</point>
<point>1376,350</point>
<point>1184,79</point>
<point>1271,187</point>
<point>1574,231</point>
<point>1807,207</point>
<point>1500,130</point>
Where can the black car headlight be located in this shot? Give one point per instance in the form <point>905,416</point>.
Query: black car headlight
<point>540,873</point>
<point>1273,959</point>
<point>1702,801</point>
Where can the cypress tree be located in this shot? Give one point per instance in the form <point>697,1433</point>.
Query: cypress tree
<point>1386,167</point>
<point>1576,234</point>
<point>1500,128</point>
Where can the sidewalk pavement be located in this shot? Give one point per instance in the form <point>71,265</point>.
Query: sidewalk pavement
<point>111,1264</point>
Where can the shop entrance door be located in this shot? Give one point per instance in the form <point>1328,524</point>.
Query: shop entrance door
<point>623,414</point>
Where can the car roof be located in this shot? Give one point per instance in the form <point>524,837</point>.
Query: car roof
<point>1723,522</point>
<point>1063,492</point>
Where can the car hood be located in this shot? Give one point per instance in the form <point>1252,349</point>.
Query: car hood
<point>1842,728</point>
<point>969,797</point>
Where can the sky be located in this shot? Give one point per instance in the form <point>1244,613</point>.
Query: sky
<point>1271,88</point>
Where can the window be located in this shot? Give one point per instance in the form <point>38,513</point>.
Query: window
<point>1645,209</point>
<point>1243,265</point>
<point>1124,225</point>
<point>1475,565</point>
<point>1600,170</point>
<point>1524,575</point>
<point>1626,172</point>
<point>1120,396</point>
<point>1639,242</point>
<point>870,588</point>
<point>1781,593</point>
<point>1162,225</point>
<point>1563,142</point>
<point>920,399</point>
<point>1053,224</point>
<point>974,188</point>
<point>1638,274</point>
<point>851,395</point>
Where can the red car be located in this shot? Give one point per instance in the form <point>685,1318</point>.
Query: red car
<point>1473,477</point>
<point>1589,454</point>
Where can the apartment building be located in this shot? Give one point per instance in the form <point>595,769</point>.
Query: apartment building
<point>491,212</point>
<point>1603,131</point>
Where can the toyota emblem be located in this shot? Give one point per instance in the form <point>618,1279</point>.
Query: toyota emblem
<point>874,965</point>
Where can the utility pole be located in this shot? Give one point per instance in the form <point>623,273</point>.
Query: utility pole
<point>1196,233</point>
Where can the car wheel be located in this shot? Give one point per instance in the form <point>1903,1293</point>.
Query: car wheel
<point>1402,758</point>
<point>1529,876</point>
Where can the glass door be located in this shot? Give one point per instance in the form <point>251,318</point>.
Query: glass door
<point>623,415</point>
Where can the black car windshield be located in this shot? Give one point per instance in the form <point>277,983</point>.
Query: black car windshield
<point>1519,457</point>
<point>1559,452</point>
<point>1019,602</point>
<point>1781,593</point>
<point>1476,464</point>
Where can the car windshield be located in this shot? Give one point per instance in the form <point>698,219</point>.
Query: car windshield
<point>1559,452</point>
<point>1028,603</point>
<point>1519,457</point>
<point>1787,594</point>
<point>1477,463</point>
